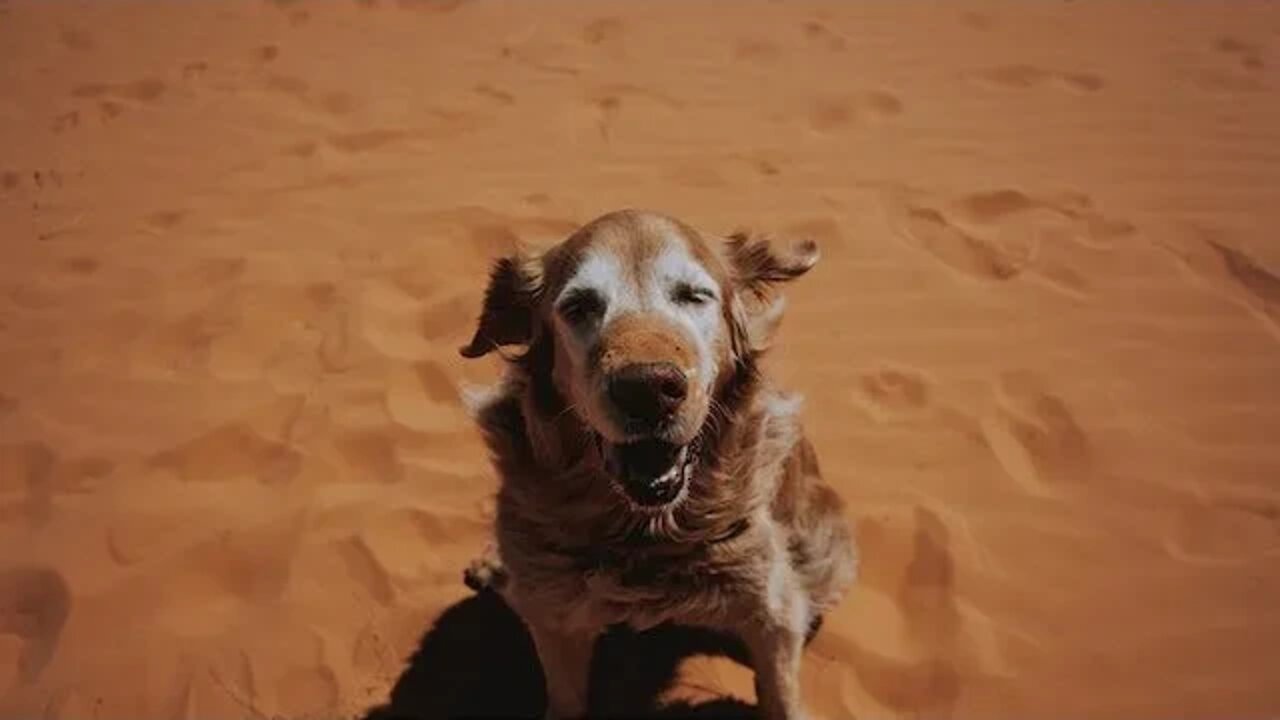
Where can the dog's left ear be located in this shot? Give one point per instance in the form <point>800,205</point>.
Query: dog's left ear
<point>510,306</point>
<point>758,265</point>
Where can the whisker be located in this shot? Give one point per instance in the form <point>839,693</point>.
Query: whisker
<point>571,406</point>
<point>718,415</point>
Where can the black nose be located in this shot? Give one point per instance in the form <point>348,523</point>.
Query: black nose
<point>648,392</point>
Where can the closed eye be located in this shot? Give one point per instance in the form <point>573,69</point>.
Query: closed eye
<point>580,305</point>
<point>686,294</point>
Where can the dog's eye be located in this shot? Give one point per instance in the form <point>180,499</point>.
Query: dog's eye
<point>692,295</point>
<point>581,305</point>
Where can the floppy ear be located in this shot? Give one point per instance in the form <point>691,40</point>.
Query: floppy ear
<point>758,265</point>
<point>510,304</point>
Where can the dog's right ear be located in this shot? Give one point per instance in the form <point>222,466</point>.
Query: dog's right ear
<point>510,306</point>
<point>758,266</point>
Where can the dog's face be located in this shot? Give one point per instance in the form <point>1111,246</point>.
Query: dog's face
<point>647,320</point>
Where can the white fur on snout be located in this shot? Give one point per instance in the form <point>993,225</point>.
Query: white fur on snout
<point>701,322</point>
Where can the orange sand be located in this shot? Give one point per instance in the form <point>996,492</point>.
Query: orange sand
<point>241,243</point>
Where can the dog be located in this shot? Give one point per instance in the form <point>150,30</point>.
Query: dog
<point>649,473</point>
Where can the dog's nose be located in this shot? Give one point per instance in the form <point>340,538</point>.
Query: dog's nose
<point>648,391</point>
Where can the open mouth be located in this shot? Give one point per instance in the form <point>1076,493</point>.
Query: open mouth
<point>651,472</point>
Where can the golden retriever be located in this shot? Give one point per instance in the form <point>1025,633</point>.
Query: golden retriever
<point>649,473</point>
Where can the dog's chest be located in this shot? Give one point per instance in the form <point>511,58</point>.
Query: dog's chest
<point>645,586</point>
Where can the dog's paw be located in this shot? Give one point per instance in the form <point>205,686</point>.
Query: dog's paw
<point>486,572</point>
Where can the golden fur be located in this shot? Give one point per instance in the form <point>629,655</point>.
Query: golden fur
<point>758,545</point>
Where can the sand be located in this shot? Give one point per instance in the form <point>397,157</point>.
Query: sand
<point>242,242</point>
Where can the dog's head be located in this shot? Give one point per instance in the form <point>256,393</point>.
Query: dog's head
<point>645,322</point>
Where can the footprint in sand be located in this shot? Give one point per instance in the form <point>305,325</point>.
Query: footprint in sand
<point>384,559</point>
<point>391,321</point>
<point>423,399</point>
<point>369,140</point>
<point>65,122</point>
<point>927,590</point>
<point>1234,66</point>
<point>1001,234</point>
<point>27,475</point>
<point>24,466</point>
<point>604,31</point>
<point>496,94</point>
<point>164,220</point>
<point>1207,255</point>
<point>543,57</point>
<point>370,455</point>
<point>34,604</point>
<point>929,683</point>
<point>111,100</point>
<point>75,39</point>
<point>1226,530</point>
<point>1035,437</point>
<point>1247,54</point>
<point>929,229</point>
<point>365,570</point>
<point>816,32</point>
<point>834,113</point>
<point>607,102</point>
<point>1026,77</point>
<point>330,103</point>
<point>246,565</point>
<point>764,166</point>
<point>80,265</point>
<point>147,90</point>
<point>266,53</point>
<point>715,174</point>
<point>46,478</point>
<point>1067,216</point>
<point>231,453</point>
<point>194,70</point>
<point>893,393</point>
<point>1254,279</point>
<point>756,50</point>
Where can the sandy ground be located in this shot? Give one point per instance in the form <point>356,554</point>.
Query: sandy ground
<point>242,241</point>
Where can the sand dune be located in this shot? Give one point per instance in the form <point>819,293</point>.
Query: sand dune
<point>242,241</point>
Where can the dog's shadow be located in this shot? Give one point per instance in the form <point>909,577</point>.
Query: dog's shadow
<point>478,660</point>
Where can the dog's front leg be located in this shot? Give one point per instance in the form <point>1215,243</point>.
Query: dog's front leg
<point>775,653</point>
<point>566,666</point>
<point>776,642</point>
